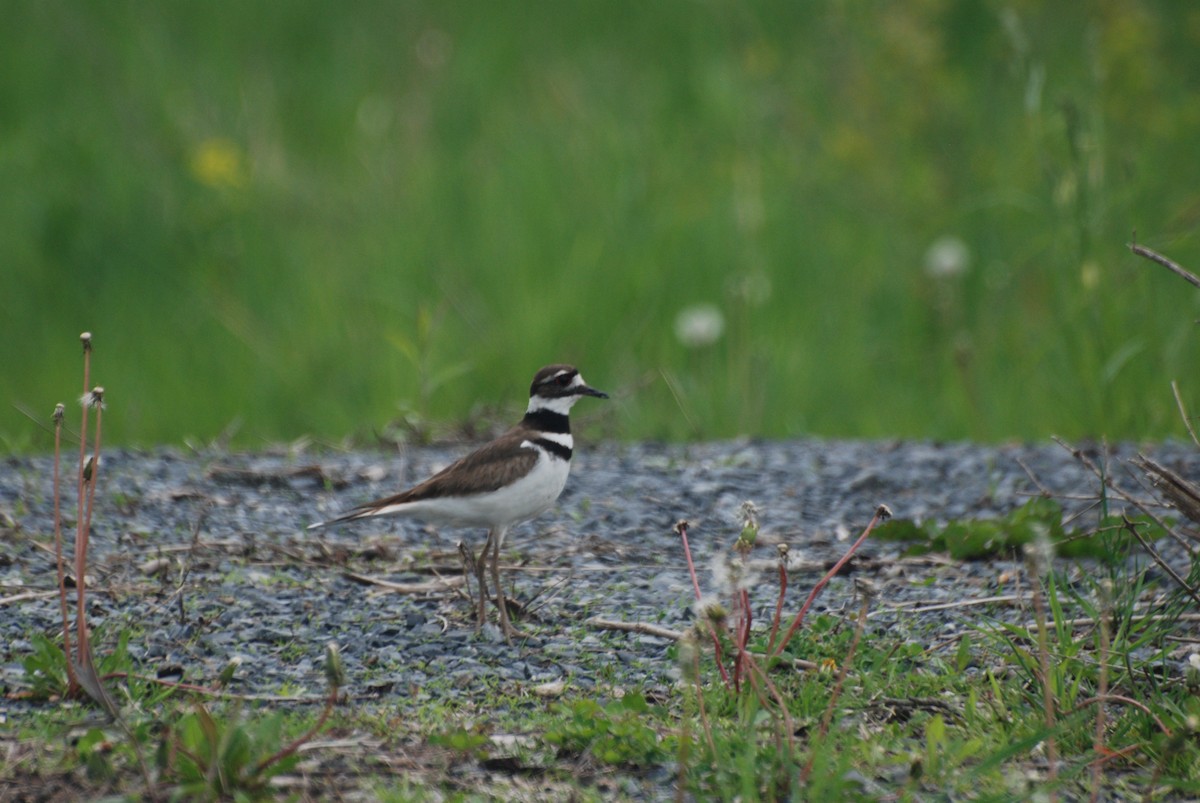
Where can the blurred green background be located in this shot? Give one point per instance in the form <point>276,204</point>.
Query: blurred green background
<point>773,218</point>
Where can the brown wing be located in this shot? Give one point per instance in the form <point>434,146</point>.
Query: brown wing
<point>488,468</point>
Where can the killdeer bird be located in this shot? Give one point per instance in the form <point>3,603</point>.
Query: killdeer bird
<point>510,480</point>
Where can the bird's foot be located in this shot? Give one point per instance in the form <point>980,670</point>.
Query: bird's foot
<point>509,630</point>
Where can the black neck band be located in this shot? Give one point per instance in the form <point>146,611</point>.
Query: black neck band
<point>554,448</point>
<point>548,421</point>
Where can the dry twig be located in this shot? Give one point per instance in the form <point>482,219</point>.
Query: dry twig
<point>1187,422</point>
<point>433,586</point>
<point>1125,496</point>
<point>1170,265</point>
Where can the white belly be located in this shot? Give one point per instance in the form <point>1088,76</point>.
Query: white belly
<point>527,497</point>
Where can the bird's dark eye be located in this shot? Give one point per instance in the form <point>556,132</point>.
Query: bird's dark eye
<point>562,381</point>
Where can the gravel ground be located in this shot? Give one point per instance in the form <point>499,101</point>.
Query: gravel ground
<point>207,555</point>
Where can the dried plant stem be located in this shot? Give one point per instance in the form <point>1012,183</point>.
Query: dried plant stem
<point>1131,526</point>
<point>1043,638</point>
<point>635,627</point>
<point>685,742</point>
<point>1088,621</point>
<point>215,693</point>
<point>1170,265</point>
<point>827,717</point>
<point>1102,688</point>
<point>1129,701</point>
<point>676,635</point>
<point>1187,422</point>
<point>1121,494</point>
<point>747,620</point>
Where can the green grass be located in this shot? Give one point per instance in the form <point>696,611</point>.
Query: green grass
<point>307,219</point>
<point>920,715</point>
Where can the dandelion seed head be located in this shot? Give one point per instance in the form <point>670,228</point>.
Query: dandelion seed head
<point>721,576</point>
<point>699,325</point>
<point>947,257</point>
<point>335,672</point>
<point>731,574</point>
<point>93,399</point>
<point>748,514</point>
<point>744,578</point>
<point>709,607</point>
<point>1039,553</point>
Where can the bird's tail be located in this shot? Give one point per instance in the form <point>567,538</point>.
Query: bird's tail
<point>350,515</point>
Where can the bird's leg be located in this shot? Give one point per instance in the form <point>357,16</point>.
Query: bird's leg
<point>506,626</point>
<point>467,557</point>
<point>500,603</point>
<point>480,566</point>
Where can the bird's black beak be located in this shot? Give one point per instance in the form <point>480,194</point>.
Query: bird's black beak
<point>590,391</point>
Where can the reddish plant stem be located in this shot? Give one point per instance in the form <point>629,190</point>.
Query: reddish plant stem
<point>79,501</point>
<point>881,512</point>
<point>681,527</point>
<point>783,578</point>
<point>1120,698</point>
<point>756,671</point>
<point>170,684</point>
<point>81,546</point>
<point>307,736</point>
<point>703,715</point>
<point>745,619</point>
<point>719,655</point>
<point>72,682</point>
<point>827,717</point>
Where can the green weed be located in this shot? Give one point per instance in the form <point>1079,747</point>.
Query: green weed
<point>620,733</point>
<point>1040,517</point>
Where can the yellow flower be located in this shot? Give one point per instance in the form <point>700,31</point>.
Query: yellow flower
<point>218,163</point>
